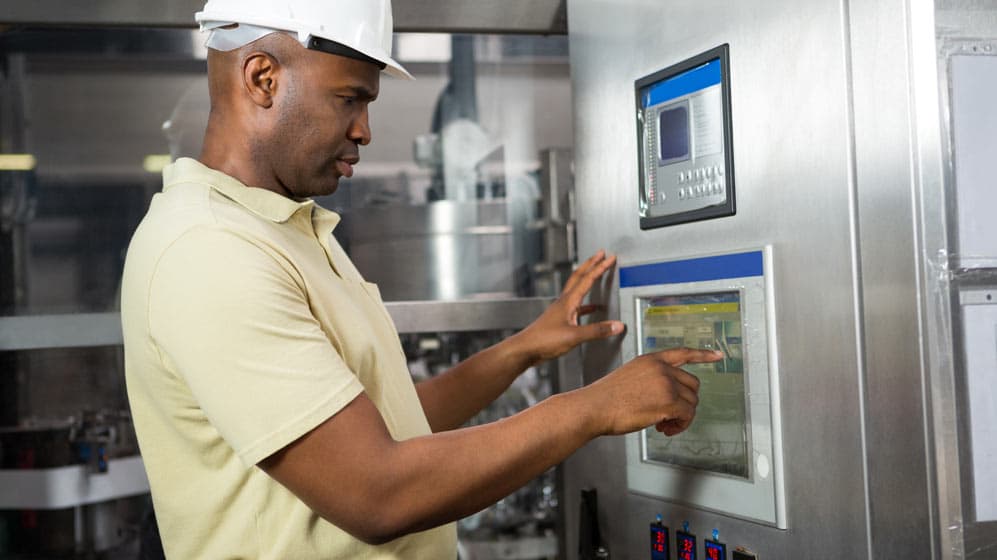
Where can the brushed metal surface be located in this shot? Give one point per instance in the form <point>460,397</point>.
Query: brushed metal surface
<point>481,16</point>
<point>450,16</point>
<point>465,315</point>
<point>78,330</point>
<point>71,486</point>
<point>792,156</point>
<point>146,13</point>
<point>441,250</point>
<point>895,381</point>
<point>847,172</point>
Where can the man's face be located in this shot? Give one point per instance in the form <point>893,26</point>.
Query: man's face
<point>322,121</point>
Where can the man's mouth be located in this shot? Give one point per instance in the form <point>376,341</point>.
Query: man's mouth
<point>345,165</point>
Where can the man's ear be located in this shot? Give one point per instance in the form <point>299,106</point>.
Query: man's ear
<point>260,73</point>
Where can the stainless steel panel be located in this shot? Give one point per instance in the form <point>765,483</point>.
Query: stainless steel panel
<point>71,486</point>
<point>78,330</point>
<point>481,16</point>
<point>888,255</point>
<point>451,16</point>
<point>81,330</point>
<point>795,185</point>
<point>146,13</point>
<point>466,315</point>
<point>441,250</point>
<point>847,171</point>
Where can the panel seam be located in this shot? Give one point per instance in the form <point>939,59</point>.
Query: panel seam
<point>856,258</point>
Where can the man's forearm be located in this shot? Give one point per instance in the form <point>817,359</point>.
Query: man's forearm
<point>455,396</point>
<point>450,475</point>
<point>351,471</point>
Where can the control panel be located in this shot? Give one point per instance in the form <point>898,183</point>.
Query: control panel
<point>686,545</point>
<point>684,138</point>
<point>730,459</point>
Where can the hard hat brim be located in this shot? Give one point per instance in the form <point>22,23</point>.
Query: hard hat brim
<point>219,19</point>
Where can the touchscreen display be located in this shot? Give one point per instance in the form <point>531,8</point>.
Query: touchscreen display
<point>717,439</point>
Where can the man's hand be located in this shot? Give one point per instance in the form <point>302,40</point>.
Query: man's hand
<point>557,330</point>
<point>452,398</point>
<point>650,390</point>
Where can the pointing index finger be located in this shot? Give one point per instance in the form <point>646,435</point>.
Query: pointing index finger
<point>676,357</point>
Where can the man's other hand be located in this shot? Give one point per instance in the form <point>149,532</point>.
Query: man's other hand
<point>557,330</point>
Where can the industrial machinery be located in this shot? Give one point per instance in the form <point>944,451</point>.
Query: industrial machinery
<point>809,187</point>
<point>805,185</point>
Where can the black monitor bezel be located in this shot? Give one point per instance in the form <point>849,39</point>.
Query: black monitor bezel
<point>729,207</point>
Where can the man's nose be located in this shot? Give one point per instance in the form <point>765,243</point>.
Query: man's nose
<point>359,130</point>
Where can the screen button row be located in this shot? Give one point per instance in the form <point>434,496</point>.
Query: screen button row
<point>700,173</point>
<point>701,190</point>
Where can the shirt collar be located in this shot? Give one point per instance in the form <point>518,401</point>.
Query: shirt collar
<point>262,202</point>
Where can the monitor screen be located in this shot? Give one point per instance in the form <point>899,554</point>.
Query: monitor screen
<point>717,440</point>
<point>673,133</point>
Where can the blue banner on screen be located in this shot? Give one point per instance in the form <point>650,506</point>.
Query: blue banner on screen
<point>721,267</point>
<point>687,82</point>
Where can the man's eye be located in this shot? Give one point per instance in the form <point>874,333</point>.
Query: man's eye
<point>348,99</point>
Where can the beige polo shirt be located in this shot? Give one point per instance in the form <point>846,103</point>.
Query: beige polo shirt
<point>245,327</point>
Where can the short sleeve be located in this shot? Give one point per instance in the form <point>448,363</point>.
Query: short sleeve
<point>234,323</point>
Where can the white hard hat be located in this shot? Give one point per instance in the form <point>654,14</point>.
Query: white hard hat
<point>362,26</point>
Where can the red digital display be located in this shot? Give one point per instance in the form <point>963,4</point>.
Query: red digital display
<point>715,550</point>
<point>659,542</point>
<point>685,545</point>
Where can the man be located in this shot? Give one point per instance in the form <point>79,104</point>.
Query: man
<point>269,391</point>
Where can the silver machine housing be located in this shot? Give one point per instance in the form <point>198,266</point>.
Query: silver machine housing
<point>844,161</point>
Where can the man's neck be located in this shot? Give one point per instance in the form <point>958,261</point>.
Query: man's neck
<point>227,149</point>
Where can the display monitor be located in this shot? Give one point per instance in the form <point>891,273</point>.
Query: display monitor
<point>684,138</point>
<point>717,441</point>
<point>729,459</point>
